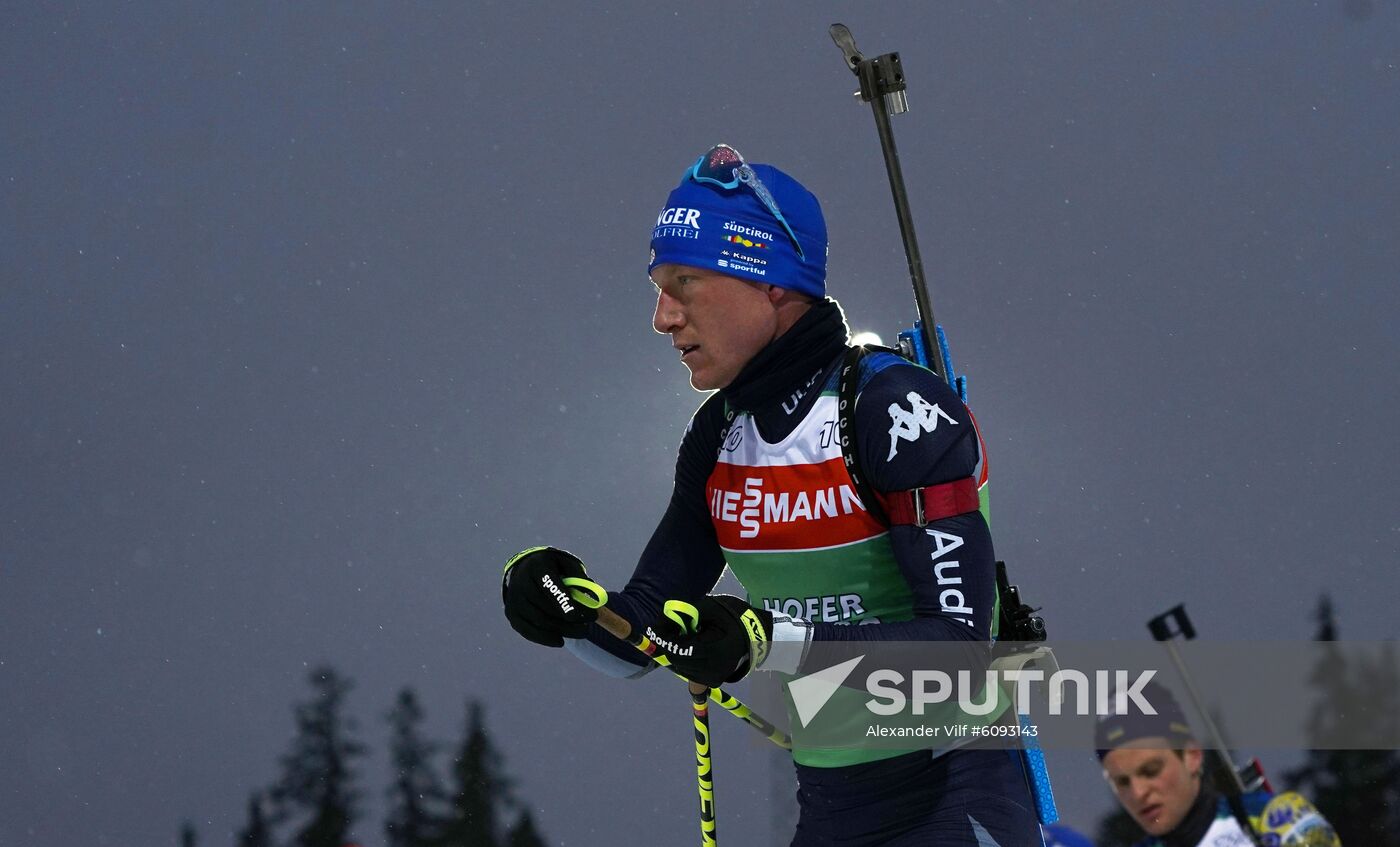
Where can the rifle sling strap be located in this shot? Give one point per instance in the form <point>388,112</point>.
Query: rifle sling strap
<point>915,507</point>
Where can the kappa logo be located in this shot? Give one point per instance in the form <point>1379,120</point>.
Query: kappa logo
<point>908,426</point>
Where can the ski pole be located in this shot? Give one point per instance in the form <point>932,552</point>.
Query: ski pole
<point>704,771</point>
<point>687,617</point>
<point>594,596</point>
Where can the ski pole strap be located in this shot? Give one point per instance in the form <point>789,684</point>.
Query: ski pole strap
<point>921,506</point>
<point>586,592</point>
<point>683,614</point>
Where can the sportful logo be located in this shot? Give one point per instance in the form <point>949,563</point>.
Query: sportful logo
<point>677,222</point>
<point>559,596</point>
<point>908,426</point>
<point>737,265</point>
<point>753,507</point>
<point>670,647</point>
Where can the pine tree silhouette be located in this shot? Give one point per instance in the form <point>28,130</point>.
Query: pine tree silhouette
<point>417,801</point>
<point>1357,790</point>
<point>316,789</point>
<point>317,781</point>
<point>256,832</point>
<point>479,789</point>
<point>523,834</point>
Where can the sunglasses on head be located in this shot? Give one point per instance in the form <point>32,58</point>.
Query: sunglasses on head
<point>723,166</point>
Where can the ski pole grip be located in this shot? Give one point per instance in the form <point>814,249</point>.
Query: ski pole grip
<point>594,596</point>
<point>616,625</point>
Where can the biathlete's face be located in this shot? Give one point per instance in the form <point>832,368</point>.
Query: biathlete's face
<point>1156,785</point>
<point>716,322</point>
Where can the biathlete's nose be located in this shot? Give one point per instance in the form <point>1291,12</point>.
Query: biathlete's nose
<point>668,316</point>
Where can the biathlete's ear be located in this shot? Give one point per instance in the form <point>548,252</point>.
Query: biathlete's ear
<point>1194,758</point>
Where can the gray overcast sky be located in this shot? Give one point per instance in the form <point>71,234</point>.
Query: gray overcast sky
<point>311,314</point>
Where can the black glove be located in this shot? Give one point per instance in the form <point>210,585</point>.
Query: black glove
<point>537,602</point>
<point>718,639</point>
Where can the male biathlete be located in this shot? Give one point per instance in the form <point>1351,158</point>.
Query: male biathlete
<point>1156,768</point>
<point>738,259</point>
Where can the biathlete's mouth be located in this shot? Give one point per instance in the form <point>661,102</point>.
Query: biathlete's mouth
<point>687,349</point>
<point>1150,812</point>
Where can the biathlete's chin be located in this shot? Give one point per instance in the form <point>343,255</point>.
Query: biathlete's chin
<point>1152,822</point>
<point>700,380</point>
<point>695,362</point>
<point>704,378</point>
